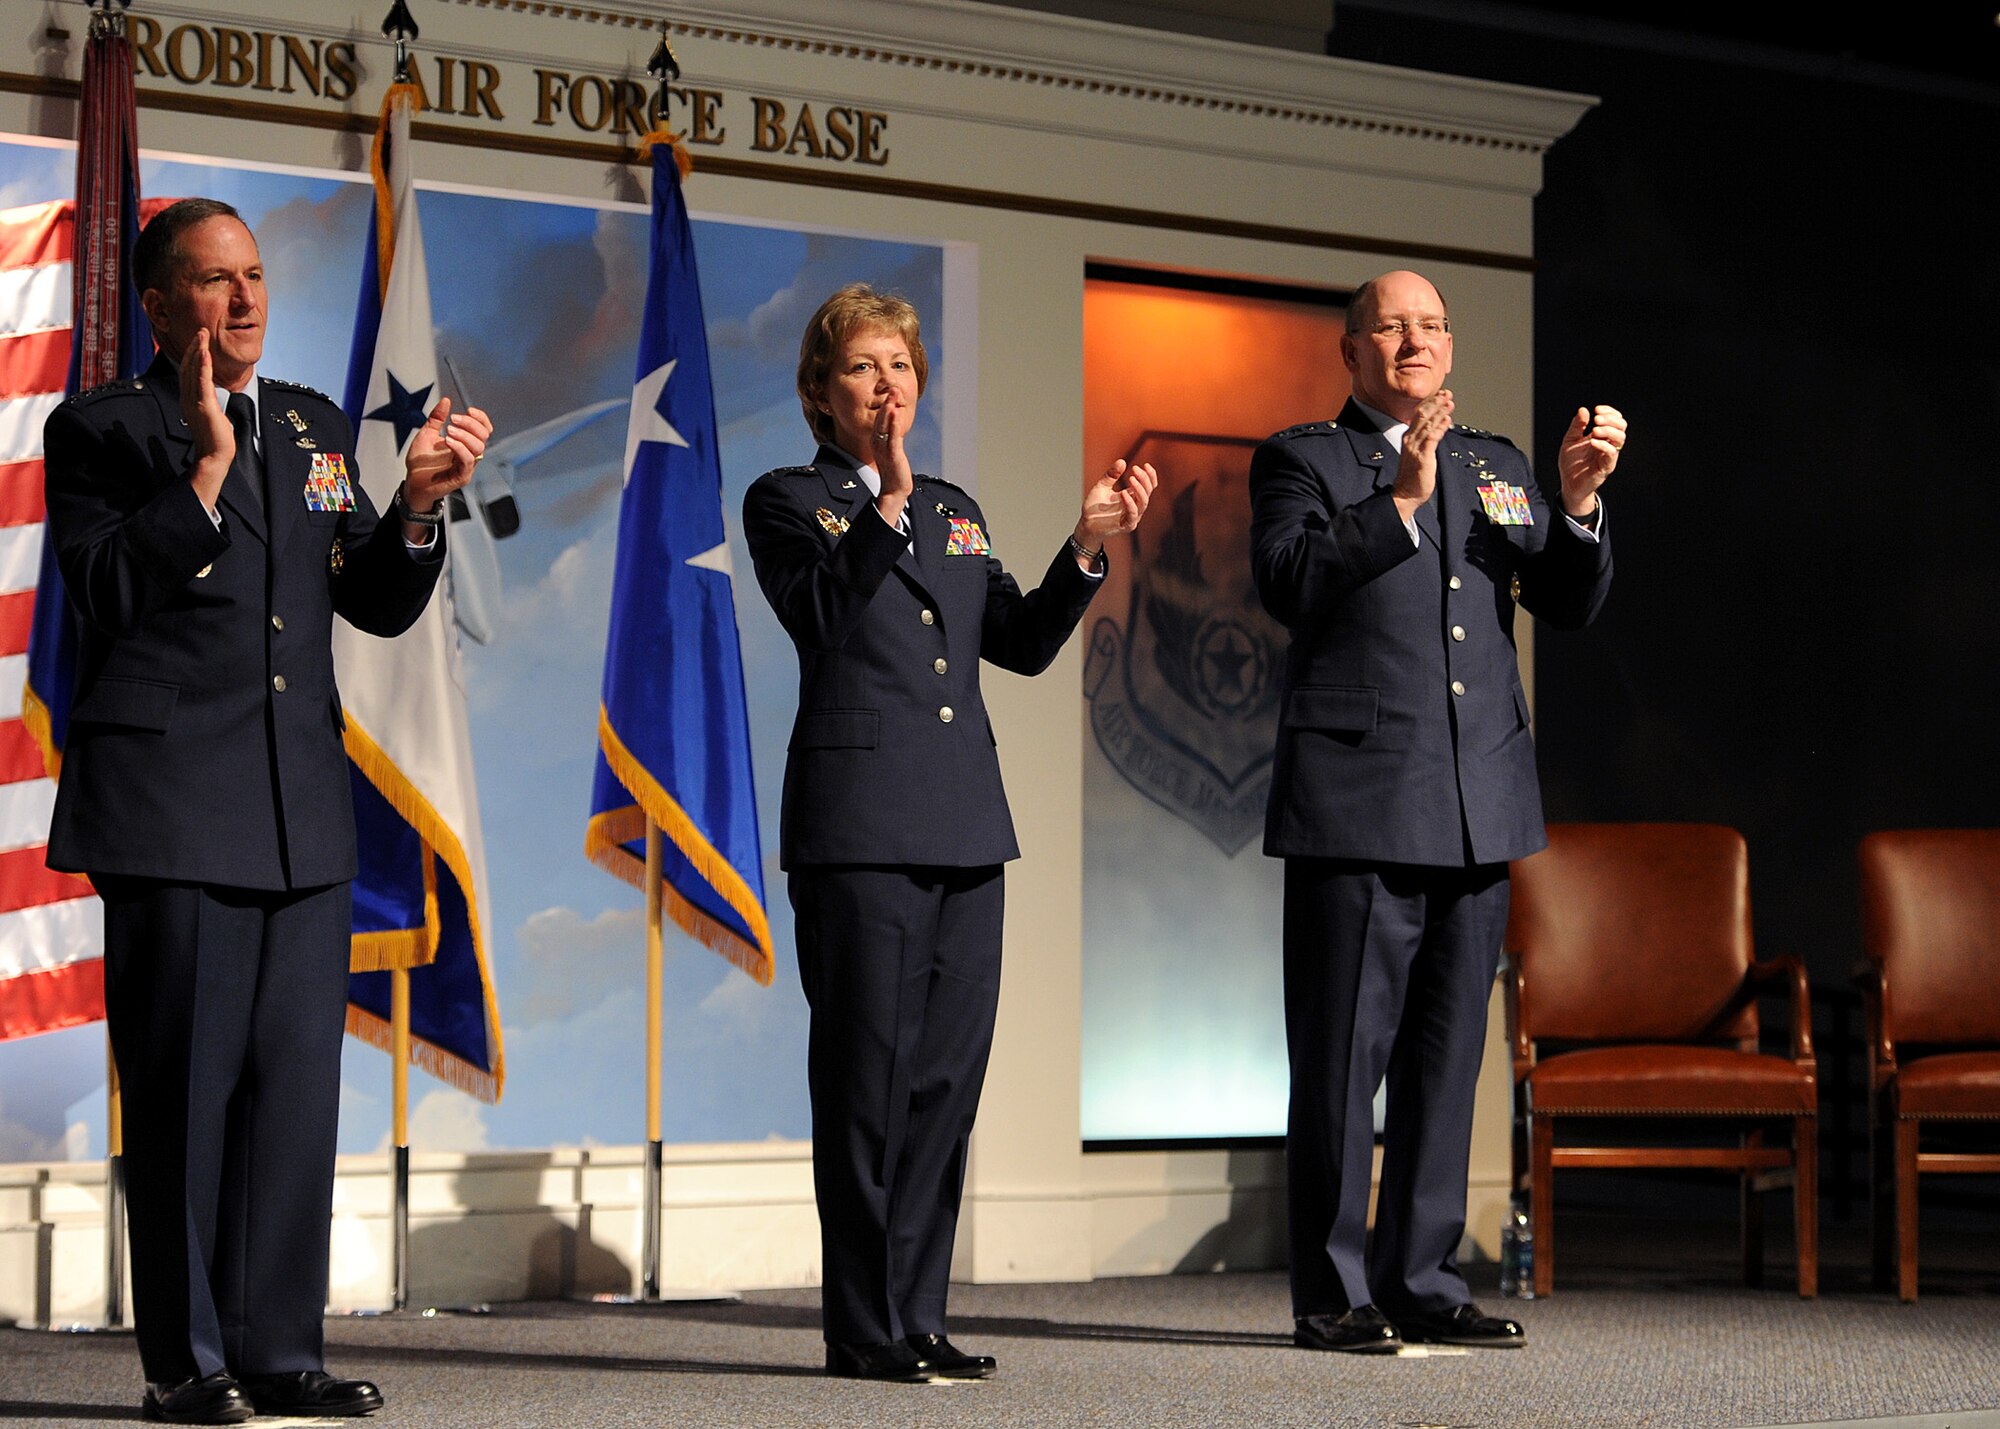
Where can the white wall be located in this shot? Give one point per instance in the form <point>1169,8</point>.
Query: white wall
<point>1031,143</point>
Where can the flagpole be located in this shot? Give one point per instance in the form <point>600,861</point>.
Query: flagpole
<point>649,1252</point>
<point>399,1212</point>
<point>664,67</point>
<point>723,860</point>
<point>114,1192</point>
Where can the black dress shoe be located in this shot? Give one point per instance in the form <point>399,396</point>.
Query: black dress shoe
<point>213,1399</point>
<point>948,1359</point>
<point>894,1361</point>
<point>1461,1325</point>
<point>311,1392</point>
<point>1363,1330</point>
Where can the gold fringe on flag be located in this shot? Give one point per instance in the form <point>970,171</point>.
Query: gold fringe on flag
<point>608,832</point>
<point>414,947</point>
<point>35,719</point>
<point>683,160</point>
<point>453,1071</point>
<point>400,949</point>
<point>378,166</point>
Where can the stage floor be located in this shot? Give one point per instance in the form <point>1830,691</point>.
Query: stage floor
<point>1633,1344</point>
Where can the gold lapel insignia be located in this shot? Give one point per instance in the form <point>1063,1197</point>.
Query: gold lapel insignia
<point>298,422</point>
<point>830,523</point>
<point>202,574</point>
<point>847,485</point>
<point>308,443</point>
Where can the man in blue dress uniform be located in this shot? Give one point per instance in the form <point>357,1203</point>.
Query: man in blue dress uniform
<point>209,524</point>
<point>1395,548</point>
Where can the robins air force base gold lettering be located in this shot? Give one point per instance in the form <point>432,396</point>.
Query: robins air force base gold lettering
<point>226,57</point>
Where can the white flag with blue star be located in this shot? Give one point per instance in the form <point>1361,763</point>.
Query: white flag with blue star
<point>420,897</point>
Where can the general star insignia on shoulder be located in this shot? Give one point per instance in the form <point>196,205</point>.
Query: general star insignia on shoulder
<point>833,525</point>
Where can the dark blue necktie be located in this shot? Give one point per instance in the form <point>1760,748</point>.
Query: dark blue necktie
<point>246,469</point>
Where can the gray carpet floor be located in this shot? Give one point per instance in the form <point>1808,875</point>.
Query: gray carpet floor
<point>1674,1344</point>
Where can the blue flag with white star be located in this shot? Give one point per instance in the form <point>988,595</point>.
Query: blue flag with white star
<point>674,729</point>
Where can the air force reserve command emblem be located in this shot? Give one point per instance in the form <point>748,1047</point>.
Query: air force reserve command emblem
<point>1183,687</point>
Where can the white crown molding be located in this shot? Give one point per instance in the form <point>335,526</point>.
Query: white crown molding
<point>1157,68</point>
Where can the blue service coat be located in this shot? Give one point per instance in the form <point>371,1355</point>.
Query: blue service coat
<point>1403,733</point>
<point>205,737</point>
<point>892,757</point>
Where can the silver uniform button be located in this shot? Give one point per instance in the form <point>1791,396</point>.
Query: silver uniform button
<point>927,618</point>
<point>277,622</point>
<point>1458,687</point>
<point>945,714</point>
<point>938,665</point>
<point>278,683</point>
<point>1458,632</point>
<point>1456,583</point>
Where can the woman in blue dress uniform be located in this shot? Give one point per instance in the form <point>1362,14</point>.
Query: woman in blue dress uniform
<point>894,826</point>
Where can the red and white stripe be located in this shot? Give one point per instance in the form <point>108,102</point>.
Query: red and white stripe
<point>51,929</point>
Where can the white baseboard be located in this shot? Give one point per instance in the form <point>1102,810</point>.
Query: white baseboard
<point>520,1225</point>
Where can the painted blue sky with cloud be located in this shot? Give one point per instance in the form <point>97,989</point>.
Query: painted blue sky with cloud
<point>538,304</point>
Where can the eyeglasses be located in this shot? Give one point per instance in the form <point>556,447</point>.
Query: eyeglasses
<point>1396,329</point>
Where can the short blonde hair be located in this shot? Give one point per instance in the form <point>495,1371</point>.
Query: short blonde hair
<point>855,308</point>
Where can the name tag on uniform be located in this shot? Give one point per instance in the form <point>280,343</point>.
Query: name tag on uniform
<point>327,484</point>
<point>1506,504</point>
<point>966,538</point>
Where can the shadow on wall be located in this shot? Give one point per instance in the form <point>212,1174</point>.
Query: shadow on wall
<point>492,1238</point>
<point>1251,1233</point>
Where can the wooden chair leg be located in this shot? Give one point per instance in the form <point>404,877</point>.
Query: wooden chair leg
<point>1542,1200</point>
<point>1517,1138</point>
<point>1805,1201</point>
<point>1882,1190</point>
<point>1906,1210</point>
<point>1752,1217</point>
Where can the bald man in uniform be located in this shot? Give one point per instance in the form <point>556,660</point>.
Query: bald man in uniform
<point>1394,546</point>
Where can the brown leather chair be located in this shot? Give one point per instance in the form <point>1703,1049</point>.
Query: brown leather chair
<point>1930,906</point>
<point>1633,997</point>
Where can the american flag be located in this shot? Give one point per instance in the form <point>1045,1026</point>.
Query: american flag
<point>51,931</point>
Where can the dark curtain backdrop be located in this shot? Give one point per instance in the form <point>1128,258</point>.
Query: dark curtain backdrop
<point>1784,280</point>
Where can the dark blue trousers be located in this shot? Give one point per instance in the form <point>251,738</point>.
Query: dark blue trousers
<point>901,966</point>
<point>1388,973</point>
<point>226,1010</point>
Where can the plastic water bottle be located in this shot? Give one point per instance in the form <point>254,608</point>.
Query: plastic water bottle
<point>1517,1251</point>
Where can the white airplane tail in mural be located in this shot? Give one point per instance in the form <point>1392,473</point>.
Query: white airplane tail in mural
<point>475,558</point>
